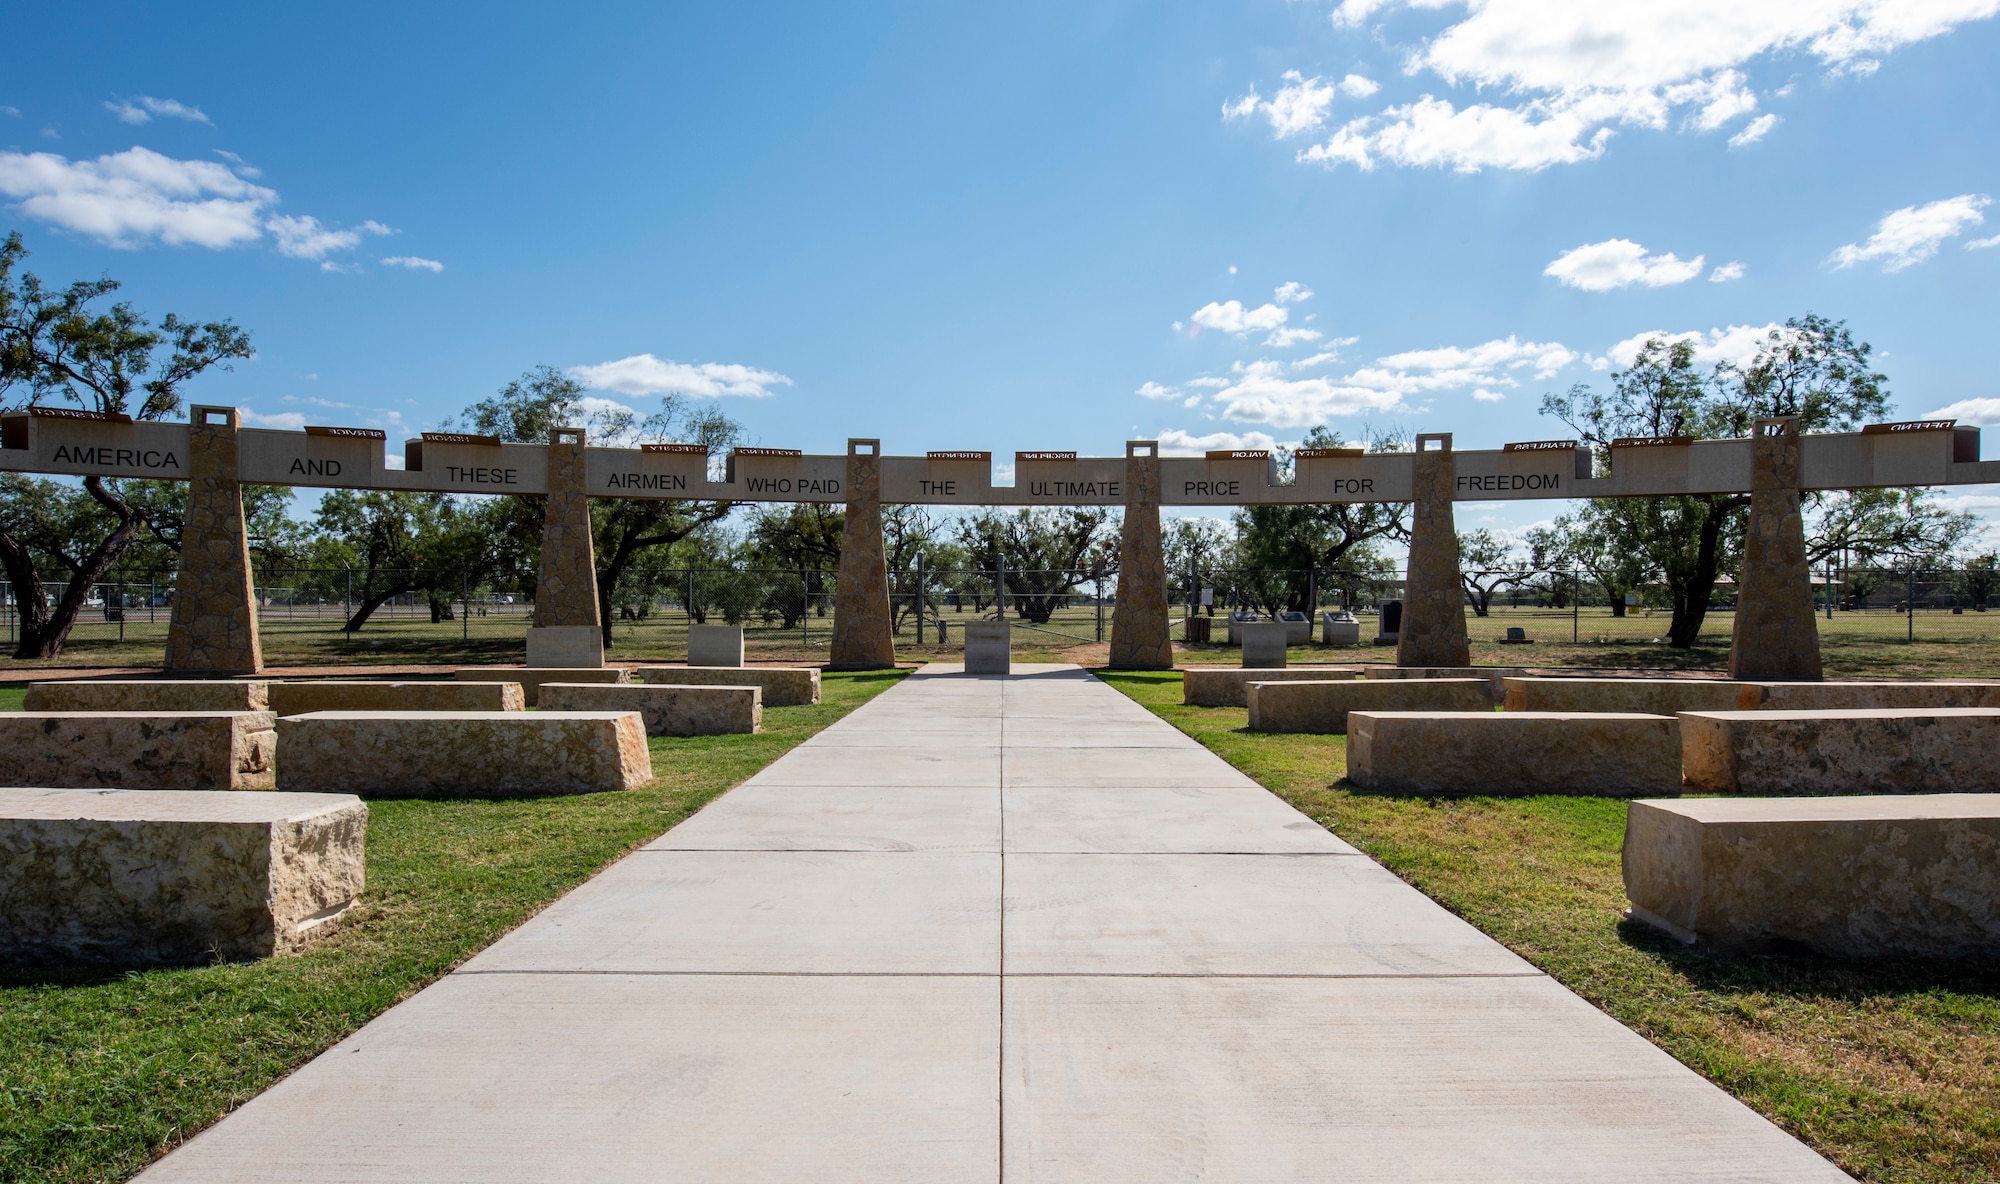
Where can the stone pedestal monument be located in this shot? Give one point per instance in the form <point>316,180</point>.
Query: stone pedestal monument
<point>1433,627</point>
<point>862,638</point>
<point>1775,635</point>
<point>214,624</point>
<point>567,629</point>
<point>1139,638</point>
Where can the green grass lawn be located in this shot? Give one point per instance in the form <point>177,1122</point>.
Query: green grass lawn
<point>100,1073</point>
<point>1890,1068</point>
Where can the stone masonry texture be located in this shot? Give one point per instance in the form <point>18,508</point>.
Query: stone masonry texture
<point>1139,637</point>
<point>1433,632</point>
<point>172,877</point>
<point>783,686</point>
<point>531,678</point>
<point>666,709</point>
<point>159,694</point>
<point>463,754</point>
<point>213,626</point>
<point>566,590</point>
<point>1775,635</point>
<point>1884,750</point>
<point>1323,706</point>
<point>1847,877</point>
<point>1652,696</point>
<point>1491,752</point>
<point>1223,686</point>
<point>213,750</point>
<point>298,698</point>
<point>862,639</point>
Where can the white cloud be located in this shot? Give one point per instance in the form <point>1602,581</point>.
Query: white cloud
<point>1330,354</point>
<point>1299,106</point>
<point>304,237</point>
<point>1913,234</point>
<point>1983,413</point>
<point>1231,317</point>
<point>12,112</point>
<point>1737,345</point>
<point>1260,393</point>
<point>145,107</point>
<point>413,262</point>
<point>1292,292</point>
<point>290,421</point>
<point>1980,244</point>
<point>1620,263</point>
<point>1575,69</point>
<point>1725,272</point>
<point>243,168</point>
<point>136,196</point>
<point>644,374</point>
<point>1458,366</point>
<point>1485,396</point>
<point>1354,86</point>
<point>1288,337</point>
<point>1754,131</point>
<point>1175,442</point>
<point>1153,390</point>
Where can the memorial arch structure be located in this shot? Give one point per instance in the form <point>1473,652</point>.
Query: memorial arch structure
<point>214,622</point>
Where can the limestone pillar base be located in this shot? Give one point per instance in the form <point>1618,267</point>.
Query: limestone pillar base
<point>1139,639</point>
<point>213,628</point>
<point>862,637</point>
<point>1775,635</point>
<point>1433,627</point>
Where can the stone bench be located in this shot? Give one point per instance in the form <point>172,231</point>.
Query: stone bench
<point>1904,750</point>
<point>1650,696</point>
<point>155,694</point>
<point>783,686</point>
<point>1844,876</point>
<point>1491,752</point>
<point>172,877</point>
<point>1849,696</point>
<point>667,710</point>
<point>137,749</point>
<point>1496,675</point>
<point>1303,706</point>
<point>1225,686</point>
<point>531,678</point>
<point>298,698</point>
<point>457,754</point>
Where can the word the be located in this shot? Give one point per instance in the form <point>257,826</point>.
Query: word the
<point>130,458</point>
<point>480,476</point>
<point>938,488</point>
<point>1506,482</point>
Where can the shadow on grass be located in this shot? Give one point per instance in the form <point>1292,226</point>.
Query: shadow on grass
<point>1801,974</point>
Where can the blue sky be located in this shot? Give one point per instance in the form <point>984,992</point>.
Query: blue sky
<point>1021,226</point>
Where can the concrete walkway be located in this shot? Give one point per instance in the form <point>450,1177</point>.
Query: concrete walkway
<point>815,979</point>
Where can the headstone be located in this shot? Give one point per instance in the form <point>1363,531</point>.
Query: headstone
<point>1298,627</point>
<point>1775,634</point>
<point>567,630</point>
<point>1139,637</point>
<point>1389,624</point>
<point>862,637</point>
<point>213,626</point>
<point>1516,636</point>
<point>1263,645</point>
<point>989,647</point>
<point>1432,631</point>
<point>1339,629</point>
<point>715,645</point>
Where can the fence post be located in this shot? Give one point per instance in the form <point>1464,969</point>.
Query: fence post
<point>347,613</point>
<point>1910,605</point>
<point>1100,602</point>
<point>805,606</point>
<point>1000,584</point>
<point>464,606</point>
<point>1575,604</point>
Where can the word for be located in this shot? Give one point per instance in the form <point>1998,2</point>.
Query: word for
<point>127,458</point>
<point>481,476</point>
<point>826,487</point>
<point>1505,482</point>
<point>646,481</point>
<point>1211,488</point>
<point>1348,484</point>
<point>307,467</point>
<point>1073,488</point>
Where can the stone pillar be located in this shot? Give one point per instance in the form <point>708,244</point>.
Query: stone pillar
<point>1775,635</point>
<point>1139,624</point>
<point>567,631</point>
<point>213,627</point>
<point>862,638</point>
<point>1433,632</point>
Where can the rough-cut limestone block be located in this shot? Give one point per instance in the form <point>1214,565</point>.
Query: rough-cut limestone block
<point>989,647</point>
<point>1845,876</point>
<point>297,698</point>
<point>1653,696</point>
<point>1490,752</point>
<point>1901,750</point>
<point>138,749</point>
<point>531,678</point>
<point>158,694</point>
<point>1497,675</point>
<point>1842,696</point>
<point>1224,686</point>
<point>1263,645</point>
<point>463,754</point>
<point>1303,706</point>
<point>172,876</point>
<point>667,710</point>
<point>715,645</point>
<point>784,686</point>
